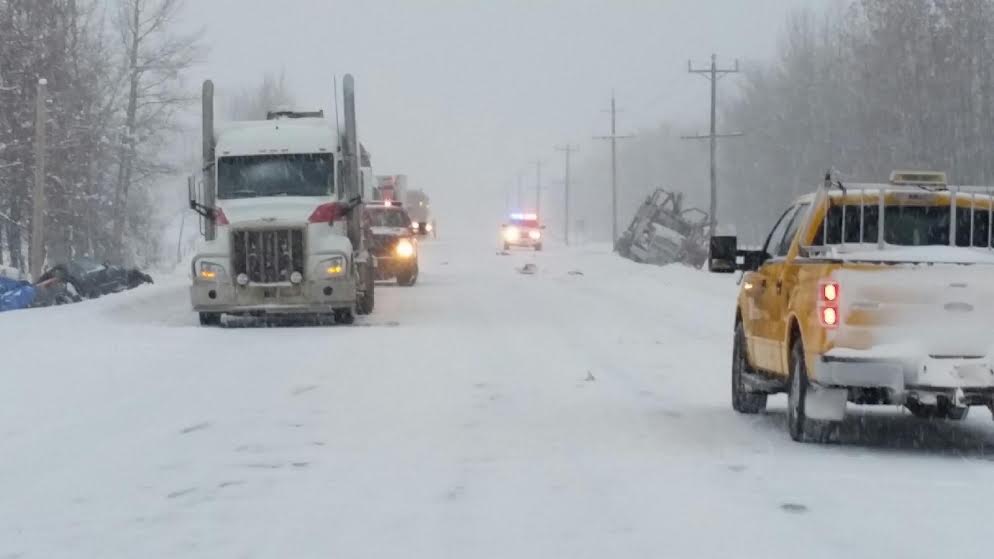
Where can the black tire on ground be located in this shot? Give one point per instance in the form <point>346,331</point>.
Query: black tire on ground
<point>801,428</point>
<point>210,319</point>
<point>957,414</point>
<point>507,247</point>
<point>922,411</point>
<point>538,247</point>
<point>344,316</point>
<point>407,278</point>
<point>743,401</point>
<point>367,301</point>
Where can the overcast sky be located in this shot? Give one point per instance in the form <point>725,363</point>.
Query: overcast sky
<point>461,95</point>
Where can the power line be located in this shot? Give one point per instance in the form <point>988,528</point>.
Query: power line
<point>568,150</point>
<point>713,74</point>
<point>614,137</point>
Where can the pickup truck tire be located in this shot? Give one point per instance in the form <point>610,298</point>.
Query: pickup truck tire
<point>926,411</point>
<point>801,428</point>
<point>210,319</point>
<point>743,401</point>
<point>957,414</point>
<point>407,278</point>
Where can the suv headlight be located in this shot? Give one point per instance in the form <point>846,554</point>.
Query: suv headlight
<point>333,267</point>
<point>405,248</point>
<point>210,271</point>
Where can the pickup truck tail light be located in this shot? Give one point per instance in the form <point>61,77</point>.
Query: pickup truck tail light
<point>327,213</point>
<point>828,304</point>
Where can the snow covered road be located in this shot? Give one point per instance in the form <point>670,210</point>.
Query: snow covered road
<point>578,412</point>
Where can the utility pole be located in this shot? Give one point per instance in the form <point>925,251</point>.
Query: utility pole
<point>614,137</point>
<point>568,150</point>
<point>37,256</point>
<point>714,74</point>
<point>538,189</point>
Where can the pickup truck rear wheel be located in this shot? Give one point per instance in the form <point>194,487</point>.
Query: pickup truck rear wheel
<point>743,401</point>
<point>800,427</point>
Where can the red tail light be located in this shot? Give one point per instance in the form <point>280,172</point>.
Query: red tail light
<point>327,213</point>
<point>828,304</point>
<point>219,217</point>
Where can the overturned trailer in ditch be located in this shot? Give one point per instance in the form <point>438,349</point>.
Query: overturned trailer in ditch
<point>664,232</point>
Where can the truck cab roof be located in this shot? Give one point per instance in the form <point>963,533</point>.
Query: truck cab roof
<point>267,137</point>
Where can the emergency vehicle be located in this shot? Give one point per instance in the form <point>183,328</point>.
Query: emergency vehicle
<point>392,242</point>
<point>870,294</point>
<point>522,230</point>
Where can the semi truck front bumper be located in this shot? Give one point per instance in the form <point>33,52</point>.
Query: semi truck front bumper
<point>308,297</point>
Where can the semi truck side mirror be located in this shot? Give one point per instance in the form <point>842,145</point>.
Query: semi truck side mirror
<point>722,254</point>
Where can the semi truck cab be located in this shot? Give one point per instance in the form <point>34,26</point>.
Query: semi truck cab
<point>277,222</point>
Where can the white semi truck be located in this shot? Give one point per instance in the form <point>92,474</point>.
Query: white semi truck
<point>281,207</point>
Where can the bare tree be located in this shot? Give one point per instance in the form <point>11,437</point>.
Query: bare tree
<point>253,103</point>
<point>154,61</point>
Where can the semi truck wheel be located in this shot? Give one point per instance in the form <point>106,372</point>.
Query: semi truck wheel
<point>367,301</point>
<point>210,319</point>
<point>344,316</point>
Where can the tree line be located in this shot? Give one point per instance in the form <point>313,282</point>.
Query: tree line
<point>862,88</point>
<point>114,71</point>
<point>876,86</point>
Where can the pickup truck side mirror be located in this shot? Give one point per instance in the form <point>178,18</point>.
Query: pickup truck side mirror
<point>722,254</point>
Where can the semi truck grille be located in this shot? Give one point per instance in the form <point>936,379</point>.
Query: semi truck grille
<point>267,256</point>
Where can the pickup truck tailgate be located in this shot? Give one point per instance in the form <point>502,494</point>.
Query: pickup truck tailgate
<point>939,309</point>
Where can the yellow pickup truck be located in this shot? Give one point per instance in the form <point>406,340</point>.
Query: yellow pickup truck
<point>831,311</point>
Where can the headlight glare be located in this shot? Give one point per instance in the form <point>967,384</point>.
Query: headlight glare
<point>405,248</point>
<point>210,271</point>
<point>334,267</point>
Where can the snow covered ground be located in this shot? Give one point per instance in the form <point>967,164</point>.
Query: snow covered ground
<point>482,413</point>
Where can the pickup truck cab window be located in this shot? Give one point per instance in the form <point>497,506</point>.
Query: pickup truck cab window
<point>775,238</point>
<point>791,230</point>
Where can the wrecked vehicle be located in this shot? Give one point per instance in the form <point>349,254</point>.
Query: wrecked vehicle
<point>90,279</point>
<point>17,293</point>
<point>664,232</point>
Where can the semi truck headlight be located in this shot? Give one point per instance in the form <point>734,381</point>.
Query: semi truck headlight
<point>511,234</point>
<point>334,267</point>
<point>534,235</point>
<point>405,249</point>
<point>296,277</point>
<point>242,279</point>
<point>210,271</point>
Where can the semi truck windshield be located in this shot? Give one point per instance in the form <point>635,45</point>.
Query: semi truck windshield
<point>275,175</point>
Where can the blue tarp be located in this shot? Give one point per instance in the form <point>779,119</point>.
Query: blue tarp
<point>15,294</point>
